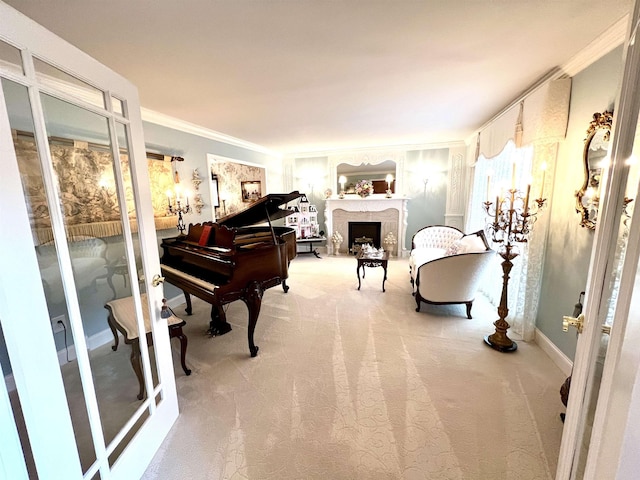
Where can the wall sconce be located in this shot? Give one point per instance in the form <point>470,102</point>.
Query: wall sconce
<point>425,181</point>
<point>342,180</point>
<point>198,203</point>
<point>196,180</point>
<point>389,179</point>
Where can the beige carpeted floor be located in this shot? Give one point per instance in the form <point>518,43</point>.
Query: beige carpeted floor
<point>355,384</point>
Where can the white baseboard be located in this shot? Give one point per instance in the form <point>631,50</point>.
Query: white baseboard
<point>93,342</point>
<point>563,362</point>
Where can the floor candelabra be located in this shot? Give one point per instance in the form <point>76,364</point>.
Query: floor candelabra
<point>512,221</point>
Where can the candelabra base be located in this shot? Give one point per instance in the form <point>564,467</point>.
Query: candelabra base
<point>499,342</point>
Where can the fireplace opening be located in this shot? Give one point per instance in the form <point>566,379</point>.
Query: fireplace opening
<point>361,233</point>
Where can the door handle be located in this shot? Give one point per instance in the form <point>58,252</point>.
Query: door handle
<point>157,280</point>
<point>577,322</point>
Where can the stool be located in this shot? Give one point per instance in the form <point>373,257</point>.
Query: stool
<point>122,318</point>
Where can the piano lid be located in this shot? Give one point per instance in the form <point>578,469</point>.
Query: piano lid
<point>264,209</point>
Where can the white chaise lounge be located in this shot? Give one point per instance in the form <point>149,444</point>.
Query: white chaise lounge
<point>447,266</point>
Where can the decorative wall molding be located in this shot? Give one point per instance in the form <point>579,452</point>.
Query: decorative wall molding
<point>602,45</point>
<point>163,120</point>
<point>456,192</point>
<point>338,212</point>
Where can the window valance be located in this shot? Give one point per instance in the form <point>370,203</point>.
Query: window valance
<point>540,117</point>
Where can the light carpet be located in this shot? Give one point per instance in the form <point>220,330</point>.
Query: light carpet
<point>355,384</point>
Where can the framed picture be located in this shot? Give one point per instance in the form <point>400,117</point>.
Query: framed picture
<point>251,191</point>
<point>215,195</point>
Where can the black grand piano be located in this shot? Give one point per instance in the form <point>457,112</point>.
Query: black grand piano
<point>233,259</point>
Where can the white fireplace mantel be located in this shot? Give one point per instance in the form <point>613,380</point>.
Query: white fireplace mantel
<point>359,209</point>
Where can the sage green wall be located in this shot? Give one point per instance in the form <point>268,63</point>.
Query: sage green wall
<point>568,248</point>
<point>426,205</point>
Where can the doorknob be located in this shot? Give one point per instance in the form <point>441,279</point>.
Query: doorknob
<point>576,322</point>
<point>157,280</point>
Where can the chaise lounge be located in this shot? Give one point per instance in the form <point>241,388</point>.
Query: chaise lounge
<point>447,266</point>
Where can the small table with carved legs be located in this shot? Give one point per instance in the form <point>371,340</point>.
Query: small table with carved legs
<point>367,260</point>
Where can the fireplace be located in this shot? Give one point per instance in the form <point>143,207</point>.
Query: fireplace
<point>363,232</point>
<point>390,213</point>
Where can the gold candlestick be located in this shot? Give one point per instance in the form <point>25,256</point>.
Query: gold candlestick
<point>513,219</point>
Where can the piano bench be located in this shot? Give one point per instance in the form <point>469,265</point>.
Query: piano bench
<point>121,319</point>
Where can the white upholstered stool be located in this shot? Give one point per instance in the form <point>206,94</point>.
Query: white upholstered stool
<point>122,318</point>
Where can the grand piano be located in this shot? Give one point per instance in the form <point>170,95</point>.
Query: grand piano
<point>233,259</point>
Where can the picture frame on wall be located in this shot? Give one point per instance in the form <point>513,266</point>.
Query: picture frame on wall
<point>215,194</point>
<point>251,191</point>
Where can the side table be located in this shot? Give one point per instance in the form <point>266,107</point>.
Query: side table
<point>367,260</point>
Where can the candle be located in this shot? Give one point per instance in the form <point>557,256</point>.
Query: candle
<point>169,197</point>
<point>543,167</point>
<point>488,186</point>
<point>513,176</point>
<point>497,208</point>
<point>526,199</point>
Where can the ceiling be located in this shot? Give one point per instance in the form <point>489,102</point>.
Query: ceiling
<point>310,75</point>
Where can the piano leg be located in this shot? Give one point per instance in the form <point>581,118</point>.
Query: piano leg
<point>187,298</point>
<point>285,287</point>
<point>253,299</point>
<point>218,324</point>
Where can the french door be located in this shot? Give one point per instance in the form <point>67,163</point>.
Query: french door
<point>598,438</point>
<point>75,209</point>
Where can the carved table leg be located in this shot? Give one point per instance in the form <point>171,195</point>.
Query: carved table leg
<point>112,326</point>
<point>178,333</point>
<point>137,368</point>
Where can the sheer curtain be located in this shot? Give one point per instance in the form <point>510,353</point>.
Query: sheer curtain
<point>490,176</point>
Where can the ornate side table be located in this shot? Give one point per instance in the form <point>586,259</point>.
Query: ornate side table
<point>367,260</point>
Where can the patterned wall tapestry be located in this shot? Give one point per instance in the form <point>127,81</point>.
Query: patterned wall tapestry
<point>231,175</point>
<point>87,190</point>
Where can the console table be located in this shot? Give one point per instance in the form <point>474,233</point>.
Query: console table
<point>367,260</point>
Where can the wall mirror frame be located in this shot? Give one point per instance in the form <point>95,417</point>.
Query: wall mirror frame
<point>367,162</point>
<point>595,155</point>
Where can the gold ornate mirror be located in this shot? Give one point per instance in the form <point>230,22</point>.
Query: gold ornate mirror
<point>595,157</point>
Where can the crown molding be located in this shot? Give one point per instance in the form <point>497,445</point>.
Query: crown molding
<point>610,39</point>
<point>377,148</point>
<point>163,120</point>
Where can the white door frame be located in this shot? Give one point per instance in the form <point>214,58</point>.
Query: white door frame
<point>33,357</point>
<point>612,446</point>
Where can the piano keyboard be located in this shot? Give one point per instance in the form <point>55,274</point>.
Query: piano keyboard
<point>189,278</point>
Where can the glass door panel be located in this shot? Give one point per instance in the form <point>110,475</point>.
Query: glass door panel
<point>94,217</point>
<point>82,230</point>
<point>10,58</point>
<point>15,426</point>
<point>51,77</point>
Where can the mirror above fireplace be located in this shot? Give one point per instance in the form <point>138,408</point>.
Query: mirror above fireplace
<point>376,173</point>
<point>373,166</point>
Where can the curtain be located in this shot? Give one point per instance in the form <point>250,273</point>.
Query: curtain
<point>528,133</point>
<point>491,176</point>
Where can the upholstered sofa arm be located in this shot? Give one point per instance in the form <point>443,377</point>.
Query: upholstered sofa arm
<point>452,279</point>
